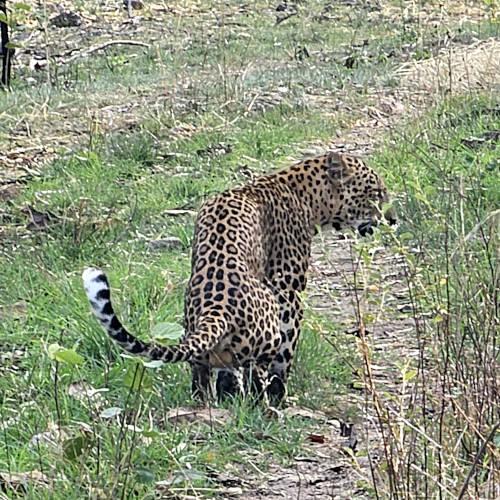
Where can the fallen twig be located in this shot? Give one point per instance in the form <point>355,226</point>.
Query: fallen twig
<point>102,46</point>
<point>479,456</point>
<point>16,180</point>
<point>283,18</point>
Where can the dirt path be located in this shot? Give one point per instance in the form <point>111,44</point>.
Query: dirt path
<point>344,465</point>
<point>339,467</point>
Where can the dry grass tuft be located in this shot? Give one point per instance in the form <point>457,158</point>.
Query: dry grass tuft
<point>456,70</point>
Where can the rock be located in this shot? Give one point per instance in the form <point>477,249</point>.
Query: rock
<point>135,4</point>
<point>66,19</point>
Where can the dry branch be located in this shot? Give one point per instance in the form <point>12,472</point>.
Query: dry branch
<point>286,16</point>
<point>96,48</point>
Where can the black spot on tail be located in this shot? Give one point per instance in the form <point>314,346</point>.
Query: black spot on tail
<point>115,324</point>
<point>121,336</point>
<point>107,309</point>
<point>103,294</point>
<point>101,279</point>
<point>136,348</point>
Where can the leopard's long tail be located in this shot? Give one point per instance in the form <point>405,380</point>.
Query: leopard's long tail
<point>98,292</point>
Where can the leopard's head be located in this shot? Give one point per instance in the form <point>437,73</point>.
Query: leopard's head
<point>360,195</point>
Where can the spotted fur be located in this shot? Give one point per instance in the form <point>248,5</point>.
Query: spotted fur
<point>250,255</point>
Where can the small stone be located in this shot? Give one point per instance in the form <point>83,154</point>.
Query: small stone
<point>66,19</point>
<point>37,63</point>
<point>135,4</point>
<point>405,308</point>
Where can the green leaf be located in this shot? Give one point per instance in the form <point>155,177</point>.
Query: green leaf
<point>184,476</point>
<point>111,412</point>
<point>69,356</point>
<point>12,45</point>
<point>144,476</point>
<point>407,236</point>
<point>74,447</point>
<point>63,355</point>
<point>151,433</point>
<point>168,333</point>
<point>129,356</point>
<point>21,6</point>
<point>409,374</point>
<point>137,378</point>
<point>153,364</point>
<point>53,349</point>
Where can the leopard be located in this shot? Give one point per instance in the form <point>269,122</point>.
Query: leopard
<point>250,255</point>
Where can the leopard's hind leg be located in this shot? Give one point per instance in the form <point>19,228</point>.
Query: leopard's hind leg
<point>201,387</point>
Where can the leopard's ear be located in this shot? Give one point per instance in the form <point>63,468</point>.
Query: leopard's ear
<point>338,168</point>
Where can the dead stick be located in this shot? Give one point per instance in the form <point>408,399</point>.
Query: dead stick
<point>479,455</point>
<point>285,17</point>
<point>102,46</point>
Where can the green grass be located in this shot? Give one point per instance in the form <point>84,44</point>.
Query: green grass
<point>109,197</point>
<point>199,62</point>
<point>446,170</point>
<point>439,167</point>
<point>106,204</point>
